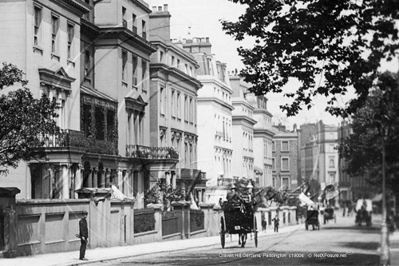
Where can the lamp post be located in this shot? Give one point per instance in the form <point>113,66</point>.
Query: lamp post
<point>383,129</point>
<point>384,256</point>
<point>385,117</point>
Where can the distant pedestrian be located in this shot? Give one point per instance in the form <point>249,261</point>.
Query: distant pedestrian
<point>264,225</point>
<point>276,222</point>
<point>350,209</point>
<point>84,236</point>
<point>344,211</point>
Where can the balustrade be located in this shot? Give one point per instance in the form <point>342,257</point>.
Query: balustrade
<point>145,152</point>
<point>73,138</point>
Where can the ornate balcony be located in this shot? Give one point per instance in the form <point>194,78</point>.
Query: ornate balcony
<point>145,152</point>
<point>77,139</point>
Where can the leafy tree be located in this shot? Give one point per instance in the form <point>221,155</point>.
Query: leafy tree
<point>25,121</point>
<point>375,124</point>
<point>327,46</point>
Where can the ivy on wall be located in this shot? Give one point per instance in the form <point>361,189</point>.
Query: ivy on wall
<point>144,220</point>
<point>197,218</point>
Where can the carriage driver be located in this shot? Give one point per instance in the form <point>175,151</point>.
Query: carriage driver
<point>233,196</point>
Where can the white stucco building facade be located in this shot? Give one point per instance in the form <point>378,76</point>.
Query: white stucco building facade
<point>243,130</point>
<point>214,114</point>
<point>262,142</point>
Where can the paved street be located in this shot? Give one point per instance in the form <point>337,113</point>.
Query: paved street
<point>342,243</point>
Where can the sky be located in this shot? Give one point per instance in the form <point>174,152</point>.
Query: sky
<point>201,18</point>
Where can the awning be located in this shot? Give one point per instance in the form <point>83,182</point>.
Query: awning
<point>331,195</point>
<point>377,198</point>
<point>305,200</point>
<point>117,194</point>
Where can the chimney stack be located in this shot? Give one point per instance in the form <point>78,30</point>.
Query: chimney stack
<point>160,22</point>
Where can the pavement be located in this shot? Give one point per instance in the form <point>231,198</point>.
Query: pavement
<point>394,247</point>
<point>393,242</point>
<point>106,254</point>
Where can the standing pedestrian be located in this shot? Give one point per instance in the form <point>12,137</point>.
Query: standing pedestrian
<point>264,224</point>
<point>84,235</point>
<point>276,221</point>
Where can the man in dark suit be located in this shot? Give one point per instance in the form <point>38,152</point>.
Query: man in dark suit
<point>264,224</point>
<point>276,221</point>
<point>84,236</point>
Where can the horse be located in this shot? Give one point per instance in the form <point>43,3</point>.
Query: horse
<point>247,209</point>
<point>363,215</point>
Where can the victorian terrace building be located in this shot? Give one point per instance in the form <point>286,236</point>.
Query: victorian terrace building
<point>214,107</point>
<point>263,138</point>
<point>173,102</point>
<point>243,131</point>
<point>94,58</point>
<point>43,39</point>
<point>285,159</point>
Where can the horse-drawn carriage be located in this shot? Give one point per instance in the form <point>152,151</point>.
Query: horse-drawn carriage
<point>240,207</point>
<point>363,212</point>
<point>238,219</point>
<point>312,218</point>
<point>329,214</point>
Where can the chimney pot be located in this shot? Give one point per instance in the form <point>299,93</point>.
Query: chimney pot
<point>159,8</point>
<point>154,9</point>
<point>165,7</point>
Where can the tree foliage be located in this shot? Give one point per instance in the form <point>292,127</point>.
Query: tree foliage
<point>327,46</point>
<point>25,121</point>
<point>264,196</point>
<point>375,124</point>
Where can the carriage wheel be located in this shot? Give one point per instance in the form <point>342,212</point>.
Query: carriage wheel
<point>256,239</point>
<point>222,232</point>
<point>255,233</point>
<point>369,221</point>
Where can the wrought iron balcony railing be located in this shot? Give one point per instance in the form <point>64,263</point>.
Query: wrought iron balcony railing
<point>145,152</point>
<point>77,139</point>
